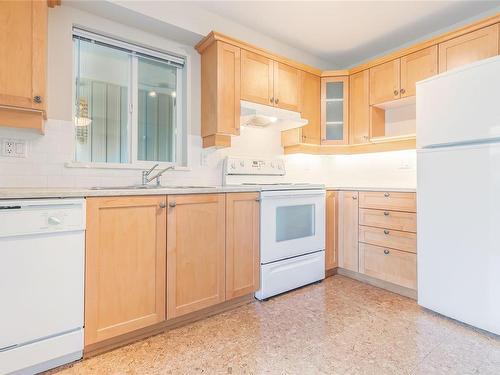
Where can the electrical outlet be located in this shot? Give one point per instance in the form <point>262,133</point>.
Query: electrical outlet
<point>14,148</point>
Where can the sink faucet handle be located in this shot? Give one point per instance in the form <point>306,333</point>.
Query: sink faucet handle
<point>160,173</point>
<point>148,172</point>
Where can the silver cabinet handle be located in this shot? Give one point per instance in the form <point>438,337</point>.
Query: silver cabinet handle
<point>172,204</point>
<point>162,205</point>
<point>37,99</point>
<point>271,100</point>
<point>386,252</point>
<point>386,213</point>
<point>386,231</point>
<point>257,199</point>
<point>354,197</point>
<point>276,101</point>
<point>386,195</point>
<point>402,91</point>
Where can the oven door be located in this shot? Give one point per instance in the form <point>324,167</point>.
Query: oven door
<point>292,223</point>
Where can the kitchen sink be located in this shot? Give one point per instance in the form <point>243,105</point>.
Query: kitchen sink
<point>137,187</point>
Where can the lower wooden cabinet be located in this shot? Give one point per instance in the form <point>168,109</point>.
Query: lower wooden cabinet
<point>125,265</point>
<point>195,252</point>
<point>395,266</point>
<point>242,244</point>
<point>348,230</point>
<point>331,250</point>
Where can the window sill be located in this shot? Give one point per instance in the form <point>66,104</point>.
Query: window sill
<point>137,166</point>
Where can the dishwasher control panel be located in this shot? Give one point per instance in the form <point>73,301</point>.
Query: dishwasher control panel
<point>32,216</point>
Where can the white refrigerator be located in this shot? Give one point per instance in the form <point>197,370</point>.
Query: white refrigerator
<point>458,187</point>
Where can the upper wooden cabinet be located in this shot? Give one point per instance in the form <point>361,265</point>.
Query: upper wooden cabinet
<point>385,82</point>
<point>359,107</point>
<point>287,90</point>
<point>331,250</point>
<point>476,45</point>
<point>124,266</point>
<point>195,252</point>
<point>348,230</point>
<point>242,244</point>
<point>334,110</point>
<point>23,63</point>
<point>220,90</point>
<point>269,82</point>
<point>416,67</point>
<point>257,73</point>
<point>397,78</point>
<point>310,107</point>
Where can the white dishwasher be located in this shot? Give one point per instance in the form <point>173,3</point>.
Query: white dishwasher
<point>42,245</point>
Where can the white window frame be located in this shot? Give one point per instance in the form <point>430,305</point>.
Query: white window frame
<point>181,129</point>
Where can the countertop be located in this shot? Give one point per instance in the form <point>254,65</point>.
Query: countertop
<point>54,192</point>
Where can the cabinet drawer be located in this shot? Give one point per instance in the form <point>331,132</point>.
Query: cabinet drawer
<point>394,266</point>
<point>388,201</point>
<point>406,221</point>
<point>394,239</point>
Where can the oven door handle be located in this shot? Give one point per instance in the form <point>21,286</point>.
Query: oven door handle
<point>292,193</point>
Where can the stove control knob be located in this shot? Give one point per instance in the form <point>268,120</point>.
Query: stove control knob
<point>242,163</point>
<point>272,165</point>
<point>280,167</point>
<point>233,165</point>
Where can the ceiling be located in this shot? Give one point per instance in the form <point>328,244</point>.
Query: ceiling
<point>347,32</point>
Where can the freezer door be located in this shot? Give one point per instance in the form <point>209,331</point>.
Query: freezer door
<point>459,106</point>
<point>458,256</point>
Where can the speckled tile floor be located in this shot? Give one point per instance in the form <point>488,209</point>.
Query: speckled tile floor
<point>340,326</point>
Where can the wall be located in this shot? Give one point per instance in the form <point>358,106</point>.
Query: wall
<point>48,155</point>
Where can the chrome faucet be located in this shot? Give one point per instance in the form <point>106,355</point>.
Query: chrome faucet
<point>145,174</point>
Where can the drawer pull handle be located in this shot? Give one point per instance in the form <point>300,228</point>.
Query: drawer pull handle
<point>386,195</point>
<point>386,231</point>
<point>386,213</point>
<point>162,205</point>
<point>354,197</point>
<point>172,204</point>
<point>386,252</point>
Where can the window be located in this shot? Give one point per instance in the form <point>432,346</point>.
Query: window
<point>128,102</point>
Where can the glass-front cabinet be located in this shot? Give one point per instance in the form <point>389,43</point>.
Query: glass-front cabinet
<point>334,110</point>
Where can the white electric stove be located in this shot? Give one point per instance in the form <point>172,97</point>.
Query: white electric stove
<point>292,222</point>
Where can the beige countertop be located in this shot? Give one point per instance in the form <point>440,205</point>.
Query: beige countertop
<point>353,188</point>
<point>54,192</point>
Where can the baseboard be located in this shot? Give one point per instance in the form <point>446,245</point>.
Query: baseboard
<point>128,338</point>
<point>331,272</point>
<point>407,292</point>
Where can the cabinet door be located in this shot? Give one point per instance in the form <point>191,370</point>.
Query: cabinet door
<point>220,90</point>
<point>242,244</point>
<point>286,87</point>
<point>310,107</point>
<point>416,67</point>
<point>195,252</point>
<point>256,78</point>
<point>348,230</point>
<point>334,110</point>
<point>384,82</point>
<point>331,259</point>
<point>474,46</point>
<point>124,265</point>
<point>359,107</point>
<point>23,40</point>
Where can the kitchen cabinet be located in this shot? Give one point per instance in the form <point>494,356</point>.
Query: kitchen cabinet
<point>334,110</point>
<point>331,254</point>
<point>23,63</point>
<point>396,79</point>
<point>242,244</point>
<point>257,83</point>
<point>220,88</point>
<point>310,97</point>
<point>269,82</point>
<point>416,67</point>
<point>385,82</point>
<point>394,266</point>
<point>359,107</point>
<point>388,200</point>
<point>124,265</point>
<point>195,252</point>
<point>287,90</point>
<point>473,46</point>
<point>348,230</point>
